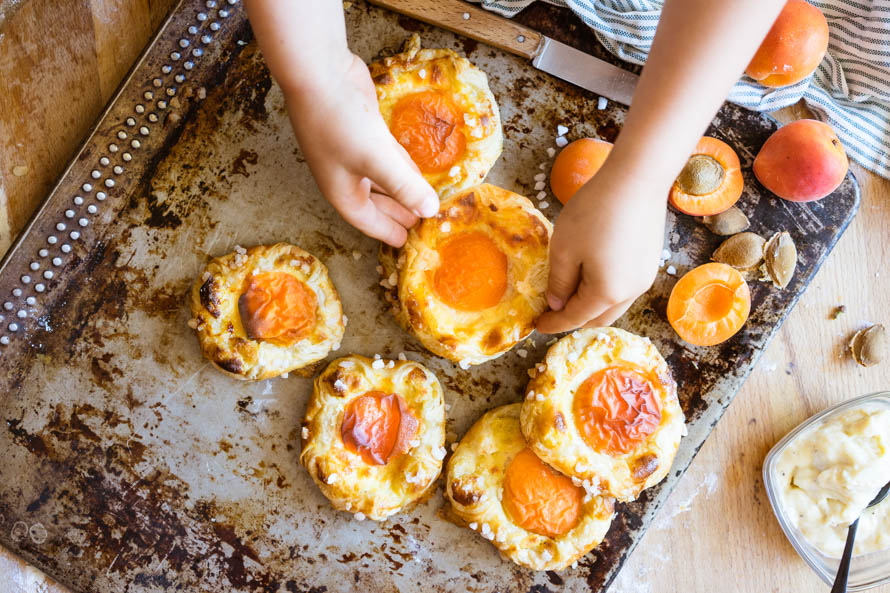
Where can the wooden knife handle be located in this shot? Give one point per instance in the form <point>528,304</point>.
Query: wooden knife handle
<point>470,21</point>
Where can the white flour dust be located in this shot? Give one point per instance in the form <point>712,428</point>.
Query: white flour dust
<point>708,485</point>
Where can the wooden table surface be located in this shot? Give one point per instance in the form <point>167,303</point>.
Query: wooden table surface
<point>61,60</point>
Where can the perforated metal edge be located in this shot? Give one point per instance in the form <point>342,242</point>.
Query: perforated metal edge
<point>80,196</point>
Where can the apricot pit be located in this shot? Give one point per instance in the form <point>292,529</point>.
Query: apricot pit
<point>743,251</point>
<point>702,175</point>
<point>779,259</point>
<point>869,345</point>
<point>710,182</point>
<point>728,222</point>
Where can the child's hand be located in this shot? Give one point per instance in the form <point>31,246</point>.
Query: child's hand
<point>606,245</point>
<point>358,165</point>
<point>605,249</point>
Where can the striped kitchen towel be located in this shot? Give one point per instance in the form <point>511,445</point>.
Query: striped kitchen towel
<point>850,89</point>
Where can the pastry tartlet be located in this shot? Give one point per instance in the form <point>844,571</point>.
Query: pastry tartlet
<point>439,107</point>
<point>532,514</point>
<point>470,282</point>
<point>373,437</point>
<point>265,311</point>
<point>602,407</point>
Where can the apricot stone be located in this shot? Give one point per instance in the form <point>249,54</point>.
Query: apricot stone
<point>793,47</point>
<point>802,161</point>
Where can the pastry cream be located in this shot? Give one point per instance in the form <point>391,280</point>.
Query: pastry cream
<point>828,475</point>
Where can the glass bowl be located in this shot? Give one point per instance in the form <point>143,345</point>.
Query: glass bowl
<point>866,571</point>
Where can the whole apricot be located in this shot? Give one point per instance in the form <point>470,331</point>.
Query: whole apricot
<point>802,161</point>
<point>575,165</point>
<point>793,48</point>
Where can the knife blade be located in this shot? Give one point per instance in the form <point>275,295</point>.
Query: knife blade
<point>546,54</point>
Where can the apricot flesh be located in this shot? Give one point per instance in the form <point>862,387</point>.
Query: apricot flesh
<point>427,125</point>
<point>540,499</point>
<point>802,161</point>
<point>472,273</point>
<point>709,304</point>
<point>793,48</point>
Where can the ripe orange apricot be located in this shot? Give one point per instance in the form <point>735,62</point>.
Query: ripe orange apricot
<point>378,426</point>
<point>802,161</point>
<point>709,304</point>
<point>575,165</point>
<point>278,307</point>
<point>472,272</point>
<point>616,409</point>
<point>711,182</point>
<point>793,48</point>
<point>540,499</point>
<point>428,125</point>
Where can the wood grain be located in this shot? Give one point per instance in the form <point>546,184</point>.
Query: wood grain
<point>115,53</point>
<point>475,23</point>
<point>61,59</point>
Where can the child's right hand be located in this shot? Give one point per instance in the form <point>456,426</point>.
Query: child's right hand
<point>358,165</point>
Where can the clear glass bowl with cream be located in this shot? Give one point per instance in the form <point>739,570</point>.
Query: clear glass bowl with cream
<point>820,477</point>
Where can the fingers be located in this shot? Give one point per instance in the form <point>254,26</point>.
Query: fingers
<point>565,275</point>
<point>609,316</point>
<point>363,213</point>
<point>394,210</point>
<point>399,178</point>
<point>580,308</point>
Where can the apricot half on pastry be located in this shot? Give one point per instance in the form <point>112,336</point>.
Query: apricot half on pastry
<point>602,407</point>
<point>711,181</point>
<point>265,311</point>
<point>470,282</point>
<point>709,304</point>
<point>536,516</point>
<point>373,437</point>
<point>439,107</point>
<point>576,164</point>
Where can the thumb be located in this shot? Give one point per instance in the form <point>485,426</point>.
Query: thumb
<point>565,274</point>
<point>395,173</point>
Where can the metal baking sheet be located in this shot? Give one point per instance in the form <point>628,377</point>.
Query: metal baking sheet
<point>130,464</point>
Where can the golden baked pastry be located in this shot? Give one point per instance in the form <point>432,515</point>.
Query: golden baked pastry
<point>602,407</point>
<point>373,437</point>
<point>535,516</point>
<point>439,108</point>
<point>265,311</point>
<point>470,282</point>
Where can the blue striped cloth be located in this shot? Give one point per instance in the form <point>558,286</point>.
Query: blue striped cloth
<point>850,89</point>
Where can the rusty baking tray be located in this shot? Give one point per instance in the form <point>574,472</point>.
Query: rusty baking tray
<point>130,464</point>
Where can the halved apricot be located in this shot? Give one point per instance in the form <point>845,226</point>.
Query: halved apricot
<point>472,272</point>
<point>540,499</point>
<point>428,125</point>
<point>278,307</point>
<point>378,426</point>
<point>616,409</point>
<point>575,165</point>
<point>711,182</point>
<point>709,304</point>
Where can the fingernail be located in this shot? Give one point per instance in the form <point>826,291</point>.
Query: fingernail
<point>555,303</point>
<point>428,209</point>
